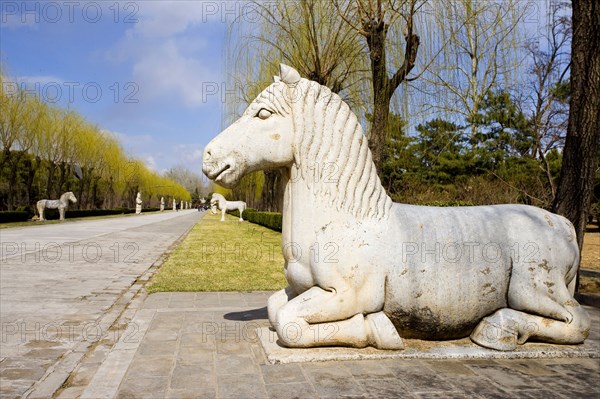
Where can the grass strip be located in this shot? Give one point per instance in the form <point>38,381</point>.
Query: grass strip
<point>223,256</point>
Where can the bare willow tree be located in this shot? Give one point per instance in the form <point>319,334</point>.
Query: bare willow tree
<point>373,20</point>
<point>306,34</point>
<point>547,91</point>
<point>16,131</point>
<point>310,36</point>
<point>483,53</point>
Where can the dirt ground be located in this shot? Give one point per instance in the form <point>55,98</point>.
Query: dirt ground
<point>590,260</point>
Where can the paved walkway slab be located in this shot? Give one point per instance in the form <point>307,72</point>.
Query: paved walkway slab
<point>206,345</point>
<point>62,286</point>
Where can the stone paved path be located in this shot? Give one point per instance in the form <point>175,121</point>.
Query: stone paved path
<point>62,286</point>
<point>204,345</point>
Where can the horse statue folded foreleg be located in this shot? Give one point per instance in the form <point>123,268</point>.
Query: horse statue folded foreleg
<point>315,318</point>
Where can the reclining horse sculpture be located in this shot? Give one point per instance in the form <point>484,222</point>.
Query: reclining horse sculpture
<point>224,205</point>
<point>363,271</point>
<point>61,204</point>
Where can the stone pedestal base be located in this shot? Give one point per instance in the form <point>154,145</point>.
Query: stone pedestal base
<point>417,349</point>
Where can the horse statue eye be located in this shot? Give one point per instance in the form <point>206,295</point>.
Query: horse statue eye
<point>264,114</point>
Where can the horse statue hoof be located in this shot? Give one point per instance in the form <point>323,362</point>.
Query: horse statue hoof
<point>492,335</point>
<point>383,334</point>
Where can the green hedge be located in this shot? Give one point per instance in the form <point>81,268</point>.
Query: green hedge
<point>271,220</point>
<point>13,216</point>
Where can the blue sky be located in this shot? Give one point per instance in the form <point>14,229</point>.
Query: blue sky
<point>149,71</point>
<point>144,70</point>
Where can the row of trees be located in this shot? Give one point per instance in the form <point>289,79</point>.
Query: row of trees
<point>47,150</point>
<point>500,162</point>
<point>460,99</point>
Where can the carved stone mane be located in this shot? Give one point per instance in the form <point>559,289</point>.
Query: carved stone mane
<point>337,167</point>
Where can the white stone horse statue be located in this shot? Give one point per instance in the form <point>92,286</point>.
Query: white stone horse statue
<point>61,204</point>
<point>363,270</point>
<point>224,205</point>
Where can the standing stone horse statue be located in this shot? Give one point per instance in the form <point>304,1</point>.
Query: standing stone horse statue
<point>61,204</point>
<point>224,205</point>
<point>364,271</point>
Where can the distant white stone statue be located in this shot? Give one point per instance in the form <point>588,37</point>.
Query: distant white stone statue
<point>162,204</point>
<point>181,204</point>
<point>61,204</point>
<point>174,204</point>
<point>138,203</point>
<point>363,270</point>
<point>224,206</point>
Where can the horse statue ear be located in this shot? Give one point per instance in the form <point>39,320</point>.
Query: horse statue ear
<point>276,79</point>
<point>288,74</point>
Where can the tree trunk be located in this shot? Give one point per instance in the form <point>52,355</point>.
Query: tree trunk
<point>381,97</point>
<point>80,191</point>
<point>272,191</point>
<point>579,155</point>
<point>384,86</point>
<point>50,183</point>
<point>63,182</point>
<point>35,164</point>
<point>95,193</point>
<point>12,179</point>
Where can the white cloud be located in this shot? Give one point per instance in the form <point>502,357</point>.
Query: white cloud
<point>168,49</point>
<point>132,141</point>
<point>166,71</point>
<point>191,153</point>
<point>40,79</point>
<point>156,17</point>
<point>150,162</point>
<point>158,156</point>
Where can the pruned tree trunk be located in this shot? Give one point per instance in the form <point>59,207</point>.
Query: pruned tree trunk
<point>272,191</point>
<point>375,31</point>
<point>12,179</point>
<point>583,133</point>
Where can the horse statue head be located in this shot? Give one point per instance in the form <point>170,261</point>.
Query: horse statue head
<point>217,199</point>
<point>68,196</point>
<point>300,125</point>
